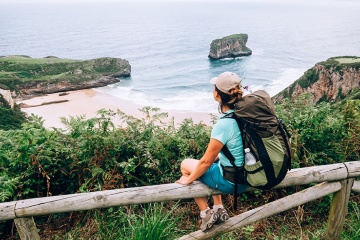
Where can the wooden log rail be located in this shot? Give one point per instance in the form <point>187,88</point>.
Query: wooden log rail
<point>356,186</point>
<point>267,210</point>
<point>23,209</point>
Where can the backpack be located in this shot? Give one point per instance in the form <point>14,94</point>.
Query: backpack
<point>266,137</point>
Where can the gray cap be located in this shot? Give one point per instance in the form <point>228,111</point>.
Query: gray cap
<point>226,81</point>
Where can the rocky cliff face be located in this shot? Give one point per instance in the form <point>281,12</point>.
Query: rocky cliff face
<point>7,96</point>
<point>34,88</point>
<point>331,80</point>
<point>229,47</point>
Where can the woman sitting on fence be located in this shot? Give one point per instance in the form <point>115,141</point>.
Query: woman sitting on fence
<point>227,91</point>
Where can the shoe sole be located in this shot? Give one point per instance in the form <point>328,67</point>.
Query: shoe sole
<point>222,218</point>
<point>211,222</point>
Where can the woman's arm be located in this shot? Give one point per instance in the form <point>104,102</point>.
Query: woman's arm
<point>205,162</point>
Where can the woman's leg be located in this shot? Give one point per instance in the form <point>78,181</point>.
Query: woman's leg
<point>217,200</point>
<point>207,215</point>
<point>187,167</point>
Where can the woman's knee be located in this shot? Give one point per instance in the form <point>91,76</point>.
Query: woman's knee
<point>188,165</point>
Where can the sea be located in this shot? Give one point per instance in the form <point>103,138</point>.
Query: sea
<point>167,42</point>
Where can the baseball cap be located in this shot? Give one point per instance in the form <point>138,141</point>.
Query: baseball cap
<point>226,81</point>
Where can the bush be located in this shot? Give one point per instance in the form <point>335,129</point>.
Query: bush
<point>321,134</point>
<point>94,155</point>
<point>10,118</point>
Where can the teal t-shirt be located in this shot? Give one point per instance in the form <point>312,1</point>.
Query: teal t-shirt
<point>227,131</point>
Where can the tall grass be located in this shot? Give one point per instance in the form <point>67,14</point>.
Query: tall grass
<point>150,221</point>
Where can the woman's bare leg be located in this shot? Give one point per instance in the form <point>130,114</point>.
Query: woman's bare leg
<point>217,200</point>
<point>187,167</point>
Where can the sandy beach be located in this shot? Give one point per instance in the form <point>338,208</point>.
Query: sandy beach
<point>87,102</point>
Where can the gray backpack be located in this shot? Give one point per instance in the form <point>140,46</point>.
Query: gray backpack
<point>266,137</point>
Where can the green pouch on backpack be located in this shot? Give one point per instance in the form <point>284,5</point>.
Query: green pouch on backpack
<point>255,174</point>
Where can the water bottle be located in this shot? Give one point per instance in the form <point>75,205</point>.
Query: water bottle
<point>249,157</point>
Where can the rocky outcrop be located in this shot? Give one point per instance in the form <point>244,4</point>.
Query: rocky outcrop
<point>7,96</point>
<point>331,80</point>
<point>24,105</point>
<point>229,47</point>
<point>34,88</point>
<point>27,76</point>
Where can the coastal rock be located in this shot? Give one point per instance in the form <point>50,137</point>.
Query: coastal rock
<point>24,105</point>
<point>48,87</point>
<point>229,47</point>
<point>7,96</point>
<point>330,81</point>
<point>29,77</point>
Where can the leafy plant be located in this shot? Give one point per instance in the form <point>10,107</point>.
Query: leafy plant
<point>316,131</point>
<point>7,186</point>
<point>150,221</point>
<point>10,118</point>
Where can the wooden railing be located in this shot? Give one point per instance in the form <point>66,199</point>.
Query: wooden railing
<point>334,178</point>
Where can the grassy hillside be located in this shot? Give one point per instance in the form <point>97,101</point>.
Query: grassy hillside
<point>18,71</point>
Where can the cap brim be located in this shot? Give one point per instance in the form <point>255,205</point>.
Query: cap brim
<point>213,80</point>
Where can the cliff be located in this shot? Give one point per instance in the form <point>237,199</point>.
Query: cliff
<point>32,76</point>
<point>229,47</point>
<point>331,80</point>
<point>6,94</point>
<point>11,115</point>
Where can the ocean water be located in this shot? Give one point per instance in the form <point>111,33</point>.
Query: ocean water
<point>167,43</point>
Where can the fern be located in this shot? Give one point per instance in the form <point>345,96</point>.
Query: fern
<point>7,187</point>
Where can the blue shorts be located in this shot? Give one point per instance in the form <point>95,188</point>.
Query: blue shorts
<point>213,178</point>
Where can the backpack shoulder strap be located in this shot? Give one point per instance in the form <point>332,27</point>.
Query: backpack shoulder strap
<point>225,149</point>
<point>231,158</point>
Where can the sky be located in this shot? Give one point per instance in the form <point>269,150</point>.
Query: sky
<point>114,1</point>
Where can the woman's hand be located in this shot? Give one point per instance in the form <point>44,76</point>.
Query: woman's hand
<point>185,180</point>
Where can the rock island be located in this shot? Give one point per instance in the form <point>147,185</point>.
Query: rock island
<point>229,47</point>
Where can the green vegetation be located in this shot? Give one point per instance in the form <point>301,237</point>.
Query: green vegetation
<point>309,78</point>
<point>93,154</point>
<point>241,36</point>
<point>19,71</point>
<point>10,118</point>
<point>347,60</point>
<point>150,221</point>
<point>322,134</point>
<point>341,61</point>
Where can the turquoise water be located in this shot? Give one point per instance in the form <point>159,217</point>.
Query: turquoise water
<point>167,44</point>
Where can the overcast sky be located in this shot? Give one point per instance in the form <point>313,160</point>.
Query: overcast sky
<point>105,1</point>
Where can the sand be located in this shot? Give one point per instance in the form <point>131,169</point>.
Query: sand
<point>87,102</point>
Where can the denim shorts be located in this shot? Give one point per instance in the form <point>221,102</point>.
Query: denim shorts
<point>213,178</point>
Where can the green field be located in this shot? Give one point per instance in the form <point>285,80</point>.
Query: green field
<point>347,60</point>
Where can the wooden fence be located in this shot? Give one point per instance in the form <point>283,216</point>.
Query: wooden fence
<point>335,178</point>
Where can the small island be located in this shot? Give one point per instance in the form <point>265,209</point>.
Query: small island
<point>26,76</point>
<point>229,47</point>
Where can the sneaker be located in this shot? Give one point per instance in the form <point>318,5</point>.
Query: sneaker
<point>223,215</point>
<point>208,221</point>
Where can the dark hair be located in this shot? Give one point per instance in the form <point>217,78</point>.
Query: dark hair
<point>229,99</point>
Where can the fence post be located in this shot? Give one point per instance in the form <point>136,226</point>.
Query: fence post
<point>338,211</point>
<point>26,228</point>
